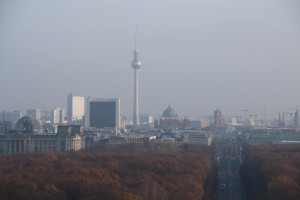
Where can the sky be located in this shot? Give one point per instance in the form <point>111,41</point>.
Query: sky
<point>197,54</point>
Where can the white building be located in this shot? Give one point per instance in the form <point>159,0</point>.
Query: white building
<point>197,137</point>
<point>58,116</point>
<point>75,108</point>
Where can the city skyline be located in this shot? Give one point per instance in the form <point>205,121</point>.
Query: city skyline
<point>197,55</point>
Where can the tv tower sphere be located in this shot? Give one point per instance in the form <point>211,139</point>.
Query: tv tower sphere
<point>136,63</point>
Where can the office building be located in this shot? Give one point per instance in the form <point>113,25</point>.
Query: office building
<point>75,108</point>
<point>197,137</point>
<point>103,113</point>
<point>58,116</point>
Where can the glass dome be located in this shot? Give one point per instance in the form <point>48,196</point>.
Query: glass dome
<point>28,125</point>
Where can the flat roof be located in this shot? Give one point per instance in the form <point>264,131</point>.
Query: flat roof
<point>281,137</point>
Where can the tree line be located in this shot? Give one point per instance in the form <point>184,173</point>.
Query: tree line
<point>130,172</point>
<point>272,172</point>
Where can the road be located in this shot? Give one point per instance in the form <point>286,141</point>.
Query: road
<point>229,181</point>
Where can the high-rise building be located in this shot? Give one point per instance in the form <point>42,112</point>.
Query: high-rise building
<point>103,113</point>
<point>34,113</point>
<point>136,64</point>
<point>75,108</point>
<point>58,116</point>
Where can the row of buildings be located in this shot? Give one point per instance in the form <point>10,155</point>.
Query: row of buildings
<point>271,136</point>
<point>89,112</point>
<point>27,136</point>
<point>102,113</point>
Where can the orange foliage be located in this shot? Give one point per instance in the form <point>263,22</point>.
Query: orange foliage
<point>99,174</point>
<point>272,172</point>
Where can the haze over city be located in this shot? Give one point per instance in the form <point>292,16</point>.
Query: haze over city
<point>150,100</point>
<point>196,55</point>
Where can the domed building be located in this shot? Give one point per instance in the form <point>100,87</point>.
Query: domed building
<point>169,120</point>
<point>28,125</point>
<point>28,137</point>
<point>169,113</point>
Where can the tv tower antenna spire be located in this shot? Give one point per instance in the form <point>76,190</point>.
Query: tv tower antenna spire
<point>136,33</point>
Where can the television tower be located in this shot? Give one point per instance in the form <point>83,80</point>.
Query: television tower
<point>136,64</point>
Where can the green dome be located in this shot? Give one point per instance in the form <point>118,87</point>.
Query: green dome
<point>169,112</point>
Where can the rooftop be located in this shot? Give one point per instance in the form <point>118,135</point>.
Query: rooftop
<point>278,137</point>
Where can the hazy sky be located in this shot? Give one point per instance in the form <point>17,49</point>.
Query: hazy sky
<point>196,54</point>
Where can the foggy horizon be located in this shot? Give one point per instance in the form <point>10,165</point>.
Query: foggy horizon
<point>196,56</point>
